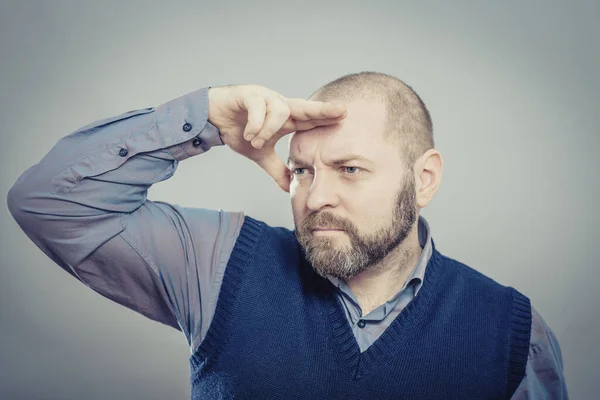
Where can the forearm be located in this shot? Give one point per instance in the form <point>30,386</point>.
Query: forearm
<point>100,173</point>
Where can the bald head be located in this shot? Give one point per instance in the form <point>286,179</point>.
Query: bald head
<point>408,121</point>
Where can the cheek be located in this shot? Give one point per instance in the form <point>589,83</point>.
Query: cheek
<point>298,201</point>
<point>299,186</point>
<point>297,194</point>
<point>369,209</point>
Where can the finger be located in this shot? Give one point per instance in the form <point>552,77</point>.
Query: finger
<point>273,166</point>
<point>292,125</point>
<point>304,110</point>
<point>256,107</point>
<point>277,114</point>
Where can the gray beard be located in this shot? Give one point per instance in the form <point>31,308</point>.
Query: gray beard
<point>363,251</point>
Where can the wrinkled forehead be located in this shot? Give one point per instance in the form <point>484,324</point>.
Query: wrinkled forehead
<point>361,132</point>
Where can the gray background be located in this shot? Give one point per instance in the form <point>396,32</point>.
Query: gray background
<point>512,87</point>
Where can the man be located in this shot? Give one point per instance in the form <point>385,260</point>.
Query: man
<point>355,303</point>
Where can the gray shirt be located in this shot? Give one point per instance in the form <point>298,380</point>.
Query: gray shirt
<point>84,205</point>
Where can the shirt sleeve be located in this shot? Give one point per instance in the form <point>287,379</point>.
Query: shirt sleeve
<point>544,377</point>
<point>84,205</point>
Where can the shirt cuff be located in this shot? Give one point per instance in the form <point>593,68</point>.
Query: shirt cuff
<point>183,126</point>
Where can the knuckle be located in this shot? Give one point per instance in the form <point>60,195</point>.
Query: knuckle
<point>265,133</point>
<point>282,112</point>
<point>254,98</point>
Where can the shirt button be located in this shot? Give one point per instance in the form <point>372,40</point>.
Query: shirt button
<point>123,152</point>
<point>361,323</point>
<point>197,142</point>
<point>187,127</point>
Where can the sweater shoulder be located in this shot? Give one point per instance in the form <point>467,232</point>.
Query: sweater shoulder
<point>487,292</point>
<point>272,236</point>
<point>271,242</point>
<point>465,274</point>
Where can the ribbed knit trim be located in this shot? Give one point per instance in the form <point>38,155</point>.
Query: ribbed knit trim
<point>520,335</point>
<point>381,351</point>
<point>240,256</point>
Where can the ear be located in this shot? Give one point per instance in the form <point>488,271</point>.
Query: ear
<point>428,176</point>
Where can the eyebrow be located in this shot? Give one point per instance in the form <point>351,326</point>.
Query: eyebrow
<point>341,161</point>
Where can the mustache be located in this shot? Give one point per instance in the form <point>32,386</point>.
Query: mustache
<point>326,219</point>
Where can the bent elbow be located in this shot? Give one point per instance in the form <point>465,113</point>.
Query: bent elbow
<point>18,196</point>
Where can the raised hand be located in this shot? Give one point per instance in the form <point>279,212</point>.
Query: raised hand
<point>251,119</point>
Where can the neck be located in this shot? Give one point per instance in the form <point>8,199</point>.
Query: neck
<point>383,280</point>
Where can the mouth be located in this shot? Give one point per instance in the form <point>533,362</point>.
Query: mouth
<point>326,230</point>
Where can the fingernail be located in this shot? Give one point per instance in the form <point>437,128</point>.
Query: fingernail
<point>258,143</point>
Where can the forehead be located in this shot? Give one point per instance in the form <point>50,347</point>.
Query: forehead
<point>360,133</point>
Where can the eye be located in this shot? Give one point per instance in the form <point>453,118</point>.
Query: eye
<point>298,171</point>
<point>351,170</point>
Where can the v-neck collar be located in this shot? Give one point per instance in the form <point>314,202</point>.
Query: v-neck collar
<point>383,349</point>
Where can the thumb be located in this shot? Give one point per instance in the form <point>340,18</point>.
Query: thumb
<point>273,166</point>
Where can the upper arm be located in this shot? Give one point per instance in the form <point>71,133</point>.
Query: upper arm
<point>544,377</point>
<point>85,206</point>
<point>164,264</point>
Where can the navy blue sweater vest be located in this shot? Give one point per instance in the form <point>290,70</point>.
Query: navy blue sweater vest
<point>279,332</point>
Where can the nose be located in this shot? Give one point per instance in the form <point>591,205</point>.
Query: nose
<point>322,192</point>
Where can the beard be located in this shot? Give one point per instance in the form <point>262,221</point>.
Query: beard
<point>345,261</point>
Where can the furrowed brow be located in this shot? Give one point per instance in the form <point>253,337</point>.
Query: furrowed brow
<point>349,159</point>
<point>292,160</point>
<point>341,161</point>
